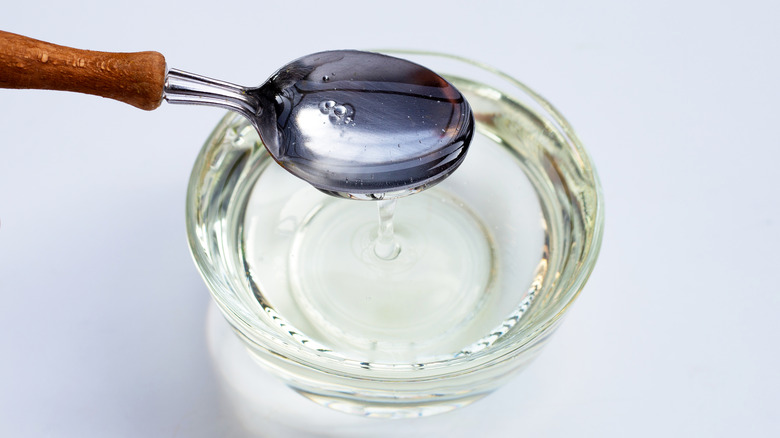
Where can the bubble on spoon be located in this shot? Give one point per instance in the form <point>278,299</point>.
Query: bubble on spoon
<point>337,113</point>
<point>326,105</point>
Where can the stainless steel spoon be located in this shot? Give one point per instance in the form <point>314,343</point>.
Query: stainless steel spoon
<point>352,124</point>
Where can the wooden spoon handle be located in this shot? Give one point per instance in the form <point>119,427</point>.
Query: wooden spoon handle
<point>134,78</point>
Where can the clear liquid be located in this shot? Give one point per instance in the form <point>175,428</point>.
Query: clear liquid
<point>393,306</point>
<point>386,246</point>
<point>466,259</point>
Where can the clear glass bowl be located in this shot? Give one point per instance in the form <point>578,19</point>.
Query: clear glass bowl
<point>511,236</point>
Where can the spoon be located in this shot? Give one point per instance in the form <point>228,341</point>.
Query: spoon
<point>352,124</point>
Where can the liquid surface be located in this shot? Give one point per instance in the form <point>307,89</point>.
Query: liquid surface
<point>467,261</point>
<point>364,125</point>
<point>396,307</point>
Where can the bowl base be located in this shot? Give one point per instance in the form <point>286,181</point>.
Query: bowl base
<point>389,410</point>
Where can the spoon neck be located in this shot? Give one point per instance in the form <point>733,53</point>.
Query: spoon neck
<point>186,88</point>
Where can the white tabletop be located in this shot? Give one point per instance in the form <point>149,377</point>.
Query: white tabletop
<point>103,322</point>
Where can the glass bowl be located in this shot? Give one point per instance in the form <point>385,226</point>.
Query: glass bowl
<point>491,258</point>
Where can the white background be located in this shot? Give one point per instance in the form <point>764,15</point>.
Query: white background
<point>103,315</point>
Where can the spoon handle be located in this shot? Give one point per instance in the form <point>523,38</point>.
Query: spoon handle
<point>134,78</point>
